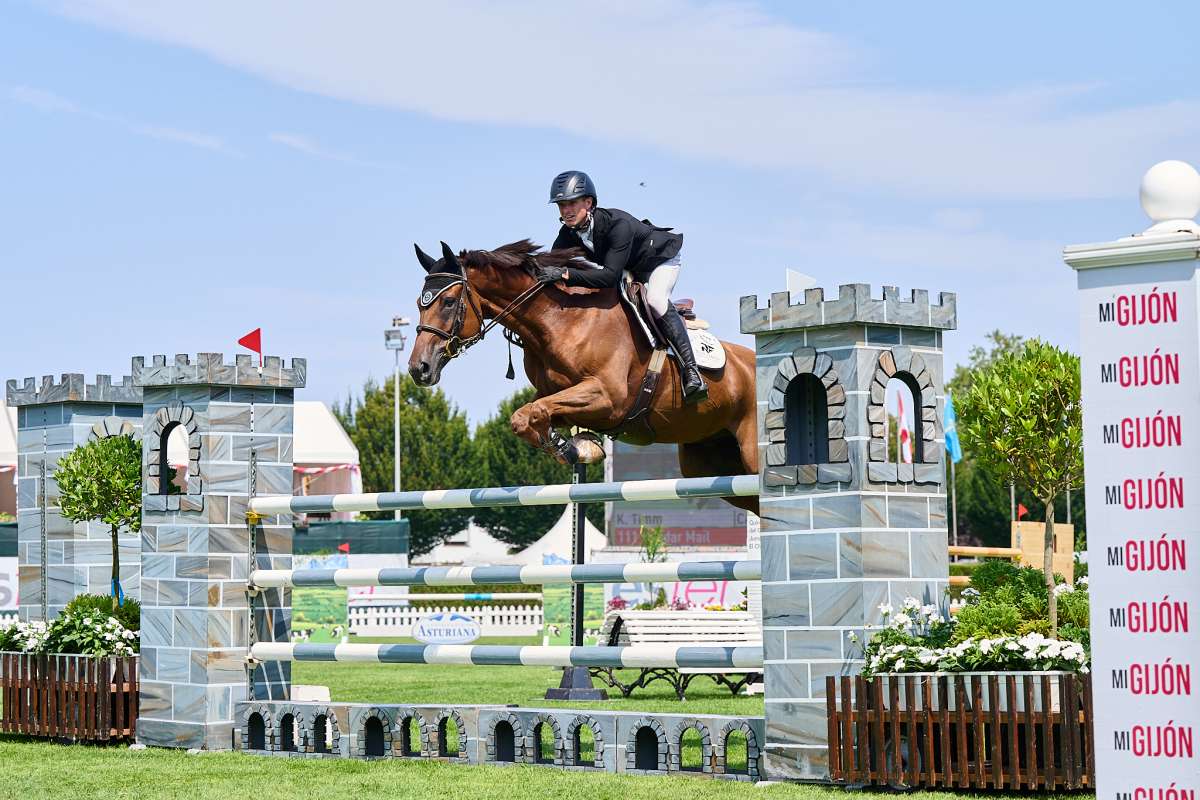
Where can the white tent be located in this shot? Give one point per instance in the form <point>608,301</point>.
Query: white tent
<point>325,459</point>
<point>470,547</point>
<point>8,436</point>
<point>320,438</point>
<point>555,545</point>
<point>8,459</point>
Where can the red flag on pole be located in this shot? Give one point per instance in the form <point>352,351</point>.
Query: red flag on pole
<point>253,341</point>
<point>1021,510</point>
<point>906,454</point>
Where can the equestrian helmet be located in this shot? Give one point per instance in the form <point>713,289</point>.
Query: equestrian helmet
<point>571,185</point>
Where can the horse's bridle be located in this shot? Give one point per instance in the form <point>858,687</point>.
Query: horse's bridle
<point>455,344</point>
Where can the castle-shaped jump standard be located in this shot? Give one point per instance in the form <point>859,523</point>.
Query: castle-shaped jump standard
<point>843,528</point>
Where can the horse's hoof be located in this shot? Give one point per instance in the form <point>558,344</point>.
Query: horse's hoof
<point>588,450</point>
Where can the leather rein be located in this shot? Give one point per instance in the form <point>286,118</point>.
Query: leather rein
<point>456,344</point>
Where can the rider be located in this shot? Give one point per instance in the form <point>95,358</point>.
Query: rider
<point>617,242</point>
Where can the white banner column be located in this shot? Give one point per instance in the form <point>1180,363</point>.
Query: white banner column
<point>1140,365</point>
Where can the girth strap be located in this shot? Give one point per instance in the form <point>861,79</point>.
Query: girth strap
<point>645,395</point>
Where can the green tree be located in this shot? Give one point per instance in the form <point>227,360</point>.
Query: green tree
<point>1022,418</point>
<point>997,345</point>
<point>435,452</point>
<point>983,498</point>
<point>506,460</point>
<point>102,480</point>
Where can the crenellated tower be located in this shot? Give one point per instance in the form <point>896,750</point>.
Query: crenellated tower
<point>845,528</point>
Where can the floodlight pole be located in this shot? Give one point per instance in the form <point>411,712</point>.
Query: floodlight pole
<point>393,339</point>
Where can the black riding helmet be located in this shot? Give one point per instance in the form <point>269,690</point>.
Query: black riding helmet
<point>571,185</point>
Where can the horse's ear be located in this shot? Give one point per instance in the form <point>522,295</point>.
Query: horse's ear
<point>427,261</point>
<point>451,259</point>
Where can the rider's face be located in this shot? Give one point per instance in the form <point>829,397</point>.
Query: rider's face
<point>574,212</point>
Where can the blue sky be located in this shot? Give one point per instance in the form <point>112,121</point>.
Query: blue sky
<point>177,174</point>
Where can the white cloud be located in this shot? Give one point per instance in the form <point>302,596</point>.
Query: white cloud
<point>201,140</point>
<point>712,80</point>
<point>42,100</point>
<point>49,102</point>
<point>308,146</point>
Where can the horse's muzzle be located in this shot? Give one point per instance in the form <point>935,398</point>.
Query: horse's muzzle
<point>427,371</point>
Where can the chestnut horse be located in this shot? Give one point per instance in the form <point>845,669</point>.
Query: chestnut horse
<point>584,358</point>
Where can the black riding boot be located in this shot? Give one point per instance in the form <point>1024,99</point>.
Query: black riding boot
<point>694,388</point>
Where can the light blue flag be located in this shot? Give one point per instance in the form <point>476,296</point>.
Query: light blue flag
<point>950,425</point>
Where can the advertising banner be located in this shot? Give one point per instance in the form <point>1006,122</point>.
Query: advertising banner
<point>375,595</point>
<point>702,522</point>
<point>1141,414</point>
<point>8,585</point>
<point>698,594</point>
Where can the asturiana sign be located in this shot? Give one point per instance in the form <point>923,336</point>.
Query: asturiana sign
<point>446,627</point>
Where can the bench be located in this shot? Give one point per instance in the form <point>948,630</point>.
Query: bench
<point>681,628</point>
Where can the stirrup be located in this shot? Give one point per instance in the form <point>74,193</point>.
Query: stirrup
<point>697,395</point>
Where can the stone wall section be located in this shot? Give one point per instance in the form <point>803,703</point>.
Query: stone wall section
<point>615,734</point>
<point>53,418</point>
<point>197,624</point>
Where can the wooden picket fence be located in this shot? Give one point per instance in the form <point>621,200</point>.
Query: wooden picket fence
<point>70,697</point>
<point>979,731</point>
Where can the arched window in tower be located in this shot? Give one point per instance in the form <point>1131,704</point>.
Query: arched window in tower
<point>173,460</point>
<point>807,420</point>
<point>903,431</point>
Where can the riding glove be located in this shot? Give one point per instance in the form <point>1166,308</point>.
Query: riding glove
<point>547,274</point>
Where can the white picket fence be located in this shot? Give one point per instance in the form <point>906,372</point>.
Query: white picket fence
<point>494,620</point>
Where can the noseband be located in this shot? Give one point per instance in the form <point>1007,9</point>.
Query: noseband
<point>456,344</point>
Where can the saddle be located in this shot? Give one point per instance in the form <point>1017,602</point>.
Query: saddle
<point>635,428</point>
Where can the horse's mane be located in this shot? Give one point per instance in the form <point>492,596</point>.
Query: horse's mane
<point>523,254</point>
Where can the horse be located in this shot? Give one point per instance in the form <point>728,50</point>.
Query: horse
<point>586,358</point>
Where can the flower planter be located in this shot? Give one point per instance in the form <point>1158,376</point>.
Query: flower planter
<point>946,681</point>
<point>71,697</point>
<point>1012,731</point>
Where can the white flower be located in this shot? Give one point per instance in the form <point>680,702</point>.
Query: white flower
<point>902,621</point>
<point>911,604</point>
<point>899,663</point>
<point>885,609</point>
<point>985,646</point>
<point>1063,588</point>
<point>1082,582</point>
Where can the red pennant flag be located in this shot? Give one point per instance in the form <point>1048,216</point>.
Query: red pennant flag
<point>1021,510</point>
<point>344,547</point>
<point>253,341</point>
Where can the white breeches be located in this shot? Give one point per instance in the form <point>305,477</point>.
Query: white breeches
<point>659,285</point>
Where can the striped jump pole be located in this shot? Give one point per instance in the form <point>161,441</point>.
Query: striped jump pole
<point>555,494</point>
<point>530,575</point>
<point>460,596</point>
<point>643,656</point>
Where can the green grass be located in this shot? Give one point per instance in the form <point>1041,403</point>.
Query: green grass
<point>421,684</point>
<point>38,769</point>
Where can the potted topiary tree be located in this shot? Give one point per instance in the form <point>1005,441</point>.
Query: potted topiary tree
<point>102,480</point>
<point>1022,418</point>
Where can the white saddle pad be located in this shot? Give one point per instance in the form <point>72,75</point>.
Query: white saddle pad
<point>709,352</point>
